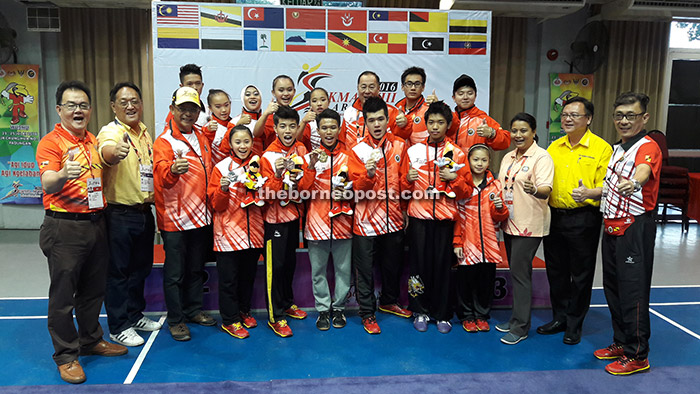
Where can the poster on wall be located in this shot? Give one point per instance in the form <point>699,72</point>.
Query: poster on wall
<point>238,45</point>
<point>563,87</point>
<point>19,134</point>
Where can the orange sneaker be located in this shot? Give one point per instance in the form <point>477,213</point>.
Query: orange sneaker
<point>281,328</point>
<point>236,330</point>
<point>395,309</point>
<point>248,320</point>
<point>483,325</point>
<point>470,326</point>
<point>370,325</point>
<point>627,366</point>
<point>295,313</point>
<point>609,353</point>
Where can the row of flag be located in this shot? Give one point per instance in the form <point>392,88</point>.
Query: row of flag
<point>380,21</point>
<point>320,41</point>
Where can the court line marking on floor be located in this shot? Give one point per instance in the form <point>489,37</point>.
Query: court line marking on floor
<point>659,287</point>
<point>22,298</point>
<point>31,317</point>
<point>142,356</point>
<point>673,323</point>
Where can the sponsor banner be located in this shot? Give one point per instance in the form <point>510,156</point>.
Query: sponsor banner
<point>563,87</point>
<point>19,134</point>
<point>386,41</point>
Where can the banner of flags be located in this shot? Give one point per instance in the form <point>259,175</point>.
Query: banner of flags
<point>374,31</point>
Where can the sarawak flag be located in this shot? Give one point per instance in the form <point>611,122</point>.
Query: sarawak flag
<point>347,20</point>
<point>347,42</point>
<point>428,21</point>
<point>387,43</point>
<point>306,19</point>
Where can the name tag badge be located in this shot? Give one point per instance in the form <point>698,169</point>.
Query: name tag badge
<point>146,172</point>
<point>94,189</point>
<point>508,199</point>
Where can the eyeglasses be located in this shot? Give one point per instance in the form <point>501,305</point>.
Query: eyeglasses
<point>71,106</point>
<point>630,117</point>
<point>409,84</point>
<point>133,103</point>
<point>572,116</point>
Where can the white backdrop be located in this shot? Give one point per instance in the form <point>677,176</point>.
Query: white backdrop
<point>181,29</point>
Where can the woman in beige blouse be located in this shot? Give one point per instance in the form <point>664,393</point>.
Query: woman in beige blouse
<point>526,173</point>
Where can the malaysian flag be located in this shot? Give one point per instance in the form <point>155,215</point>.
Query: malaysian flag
<point>181,15</point>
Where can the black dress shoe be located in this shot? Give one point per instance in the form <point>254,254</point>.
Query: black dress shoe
<point>572,339</point>
<point>552,327</point>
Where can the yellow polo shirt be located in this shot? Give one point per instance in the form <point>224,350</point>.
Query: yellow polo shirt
<point>122,182</point>
<point>587,161</point>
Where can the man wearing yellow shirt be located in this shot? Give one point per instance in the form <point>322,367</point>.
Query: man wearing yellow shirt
<point>580,162</point>
<point>127,150</point>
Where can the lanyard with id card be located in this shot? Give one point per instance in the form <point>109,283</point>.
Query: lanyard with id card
<point>94,189</point>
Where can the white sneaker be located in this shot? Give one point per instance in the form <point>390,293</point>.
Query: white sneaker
<point>128,337</point>
<point>146,324</point>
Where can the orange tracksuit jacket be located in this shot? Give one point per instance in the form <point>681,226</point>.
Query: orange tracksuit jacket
<point>181,200</point>
<point>384,213</point>
<point>319,226</point>
<point>476,231</point>
<point>235,228</point>
<point>468,120</point>
<point>273,212</point>
<point>422,157</point>
<point>416,120</point>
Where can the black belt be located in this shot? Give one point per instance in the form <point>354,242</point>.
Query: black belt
<point>93,216</point>
<point>574,211</point>
<point>145,207</point>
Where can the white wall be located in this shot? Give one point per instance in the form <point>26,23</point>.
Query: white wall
<point>41,49</point>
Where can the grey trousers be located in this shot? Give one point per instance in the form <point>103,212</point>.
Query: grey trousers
<point>521,251</point>
<point>319,252</point>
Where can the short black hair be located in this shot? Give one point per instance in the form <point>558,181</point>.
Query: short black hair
<point>321,89</point>
<point>237,128</point>
<point>586,104</point>
<point>463,80</point>
<point>439,108</point>
<point>188,69</point>
<point>281,76</point>
<point>413,70</point>
<point>631,98</point>
<point>285,112</point>
<point>116,88</point>
<point>367,72</point>
<point>71,85</point>
<point>214,92</point>
<point>328,114</point>
<point>374,104</point>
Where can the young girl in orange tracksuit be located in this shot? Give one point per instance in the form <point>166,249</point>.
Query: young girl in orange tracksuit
<point>238,233</point>
<point>476,242</point>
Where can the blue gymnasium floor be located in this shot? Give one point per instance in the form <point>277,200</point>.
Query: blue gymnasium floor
<point>399,351</point>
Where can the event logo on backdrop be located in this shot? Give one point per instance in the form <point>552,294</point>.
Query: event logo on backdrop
<point>564,87</point>
<point>237,45</point>
<point>19,134</point>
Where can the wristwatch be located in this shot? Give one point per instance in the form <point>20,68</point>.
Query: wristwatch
<point>637,185</point>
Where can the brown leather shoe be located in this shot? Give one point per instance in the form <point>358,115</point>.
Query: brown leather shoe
<point>107,349</point>
<point>203,319</point>
<point>180,332</point>
<point>72,372</point>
